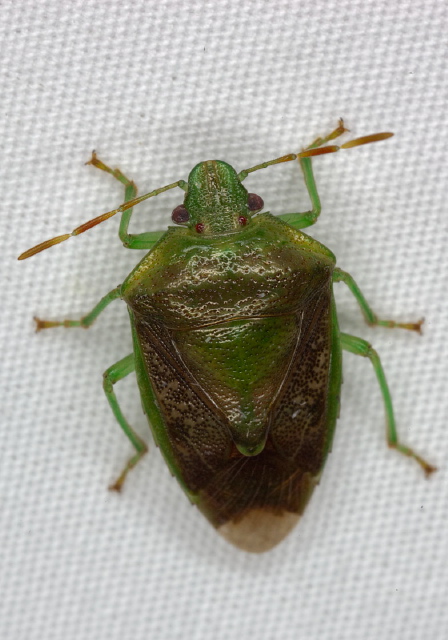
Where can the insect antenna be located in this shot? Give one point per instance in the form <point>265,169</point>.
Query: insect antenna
<point>98,220</point>
<point>314,150</point>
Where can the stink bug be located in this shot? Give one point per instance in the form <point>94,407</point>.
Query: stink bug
<point>237,348</point>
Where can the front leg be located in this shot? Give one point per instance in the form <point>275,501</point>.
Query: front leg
<point>130,241</point>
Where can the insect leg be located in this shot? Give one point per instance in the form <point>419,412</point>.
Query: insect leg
<point>130,241</point>
<point>87,320</point>
<point>117,372</point>
<point>361,347</point>
<point>369,315</point>
<point>308,218</point>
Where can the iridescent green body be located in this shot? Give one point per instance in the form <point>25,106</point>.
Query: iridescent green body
<point>237,348</point>
<point>238,363</point>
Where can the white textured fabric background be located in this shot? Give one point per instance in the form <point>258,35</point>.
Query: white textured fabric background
<point>156,87</point>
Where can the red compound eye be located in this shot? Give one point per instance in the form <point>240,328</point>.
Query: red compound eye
<point>180,215</point>
<point>254,202</point>
<point>200,227</point>
<point>242,220</point>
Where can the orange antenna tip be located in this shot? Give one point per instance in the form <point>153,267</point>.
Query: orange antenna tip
<point>43,245</point>
<point>375,137</point>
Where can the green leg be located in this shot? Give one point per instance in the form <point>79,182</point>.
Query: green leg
<point>117,372</point>
<point>303,220</point>
<point>361,347</point>
<point>87,320</point>
<point>130,241</point>
<point>370,317</point>
<point>308,218</point>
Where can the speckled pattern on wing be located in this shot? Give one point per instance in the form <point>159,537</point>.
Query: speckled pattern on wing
<point>236,336</point>
<point>229,483</point>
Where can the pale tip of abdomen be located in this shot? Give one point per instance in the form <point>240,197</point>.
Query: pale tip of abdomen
<point>259,530</point>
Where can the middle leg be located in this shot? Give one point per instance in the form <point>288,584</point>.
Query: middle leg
<point>369,315</point>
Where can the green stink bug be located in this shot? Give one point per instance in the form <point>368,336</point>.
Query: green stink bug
<point>237,348</point>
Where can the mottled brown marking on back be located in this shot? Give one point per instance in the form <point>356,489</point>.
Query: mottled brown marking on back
<point>281,479</point>
<point>300,425</point>
<point>186,299</point>
<point>200,441</point>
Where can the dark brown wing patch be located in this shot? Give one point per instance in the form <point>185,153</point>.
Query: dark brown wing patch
<point>200,442</point>
<point>299,426</point>
<point>246,497</point>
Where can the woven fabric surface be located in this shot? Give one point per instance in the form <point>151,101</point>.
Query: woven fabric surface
<point>154,88</point>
